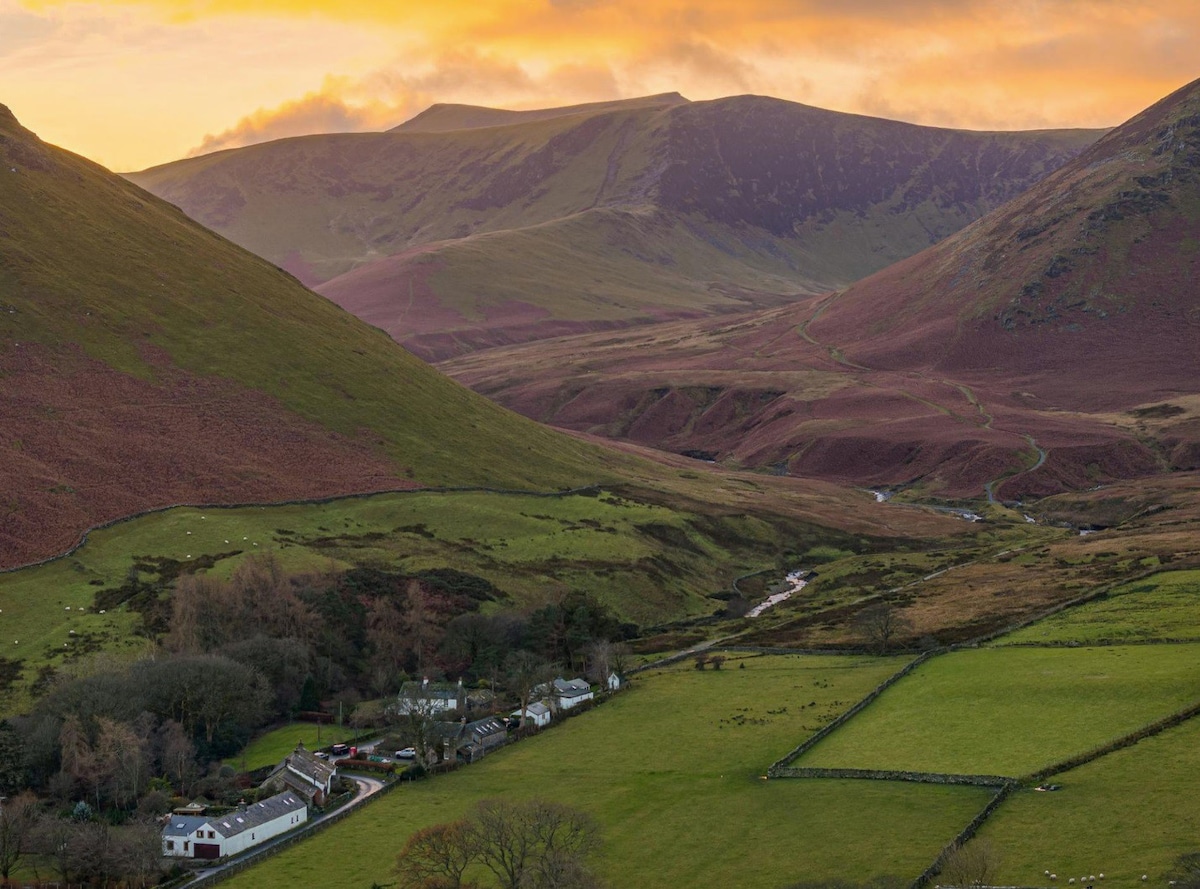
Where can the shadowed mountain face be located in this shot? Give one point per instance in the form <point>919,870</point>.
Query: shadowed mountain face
<point>145,361</point>
<point>1053,345</point>
<point>467,228</point>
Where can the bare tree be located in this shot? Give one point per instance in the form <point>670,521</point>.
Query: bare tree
<point>121,761</point>
<point>880,624</point>
<point>139,854</point>
<point>417,715</point>
<point>178,756</point>
<point>523,672</point>
<point>385,636</point>
<point>974,864</point>
<point>535,844</point>
<point>437,857</point>
<point>420,628</point>
<point>17,818</point>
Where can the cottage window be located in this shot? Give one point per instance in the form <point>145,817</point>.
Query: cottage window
<point>170,845</point>
<point>185,845</point>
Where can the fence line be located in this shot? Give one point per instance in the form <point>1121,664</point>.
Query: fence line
<point>812,740</point>
<point>896,775</point>
<point>964,835</point>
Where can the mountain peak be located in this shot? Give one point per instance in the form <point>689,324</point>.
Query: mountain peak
<point>444,117</point>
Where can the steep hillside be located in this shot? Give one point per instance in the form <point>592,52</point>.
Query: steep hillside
<point>1094,269</point>
<point>146,361</point>
<point>1051,346</point>
<point>468,227</point>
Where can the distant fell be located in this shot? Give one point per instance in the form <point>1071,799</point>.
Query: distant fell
<point>444,117</point>
<point>1053,345</point>
<point>473,227</point>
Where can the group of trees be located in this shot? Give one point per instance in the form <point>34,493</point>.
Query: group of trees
<point>521,845</point>
<point>79,846</point>
<point>121,739</point>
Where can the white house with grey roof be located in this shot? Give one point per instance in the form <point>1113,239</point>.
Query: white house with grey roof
<point>566,693</point>
<point>537,713</point>
<point>430,698</point>
<point>195,836</point>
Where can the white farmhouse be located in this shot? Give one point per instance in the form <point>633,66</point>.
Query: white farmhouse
<point>191,836</point>
<point>429,698</point>
<point>566,693</point>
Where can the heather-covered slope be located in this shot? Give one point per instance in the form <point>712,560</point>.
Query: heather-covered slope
<point>1051,346</point>
<point>469,227</point>
<point>1089,284</point>
<point>146,361</point>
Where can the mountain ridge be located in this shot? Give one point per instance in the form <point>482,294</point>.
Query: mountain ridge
<point>653,210</point>
<point>1052,345</point>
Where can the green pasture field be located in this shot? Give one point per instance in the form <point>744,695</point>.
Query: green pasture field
<point>1010,711</point>
<point>270,748</point>
<point>1129,813</point>
<point>672,768</point>
<point>1163,606</point>
<point>647,562</point>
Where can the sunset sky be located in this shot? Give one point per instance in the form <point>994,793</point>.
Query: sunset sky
<point>132,83</point>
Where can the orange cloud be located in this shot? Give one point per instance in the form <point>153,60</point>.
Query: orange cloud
<point>973,63</point>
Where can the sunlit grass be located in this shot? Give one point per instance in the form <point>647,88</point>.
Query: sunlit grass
<point>672,769</point>
<point>1011,711</point>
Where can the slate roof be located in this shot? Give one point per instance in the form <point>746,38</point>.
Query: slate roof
<point>571,688</point>
<point>183,825</point>
<point>430,691</point>
<point>318,770</point>
<point>236,822</point>
<point>537,708</point>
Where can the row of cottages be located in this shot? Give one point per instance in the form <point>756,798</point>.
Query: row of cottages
<point>191,836</point>
<point>559,696</point>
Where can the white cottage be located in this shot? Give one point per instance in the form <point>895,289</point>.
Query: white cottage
<point>191,836</point>
<point>537,713</point>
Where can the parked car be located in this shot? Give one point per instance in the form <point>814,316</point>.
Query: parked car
<point>406,753</point>
<point>339,749</point>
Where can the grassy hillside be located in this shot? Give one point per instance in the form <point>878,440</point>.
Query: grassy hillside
<point>130,333</point>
